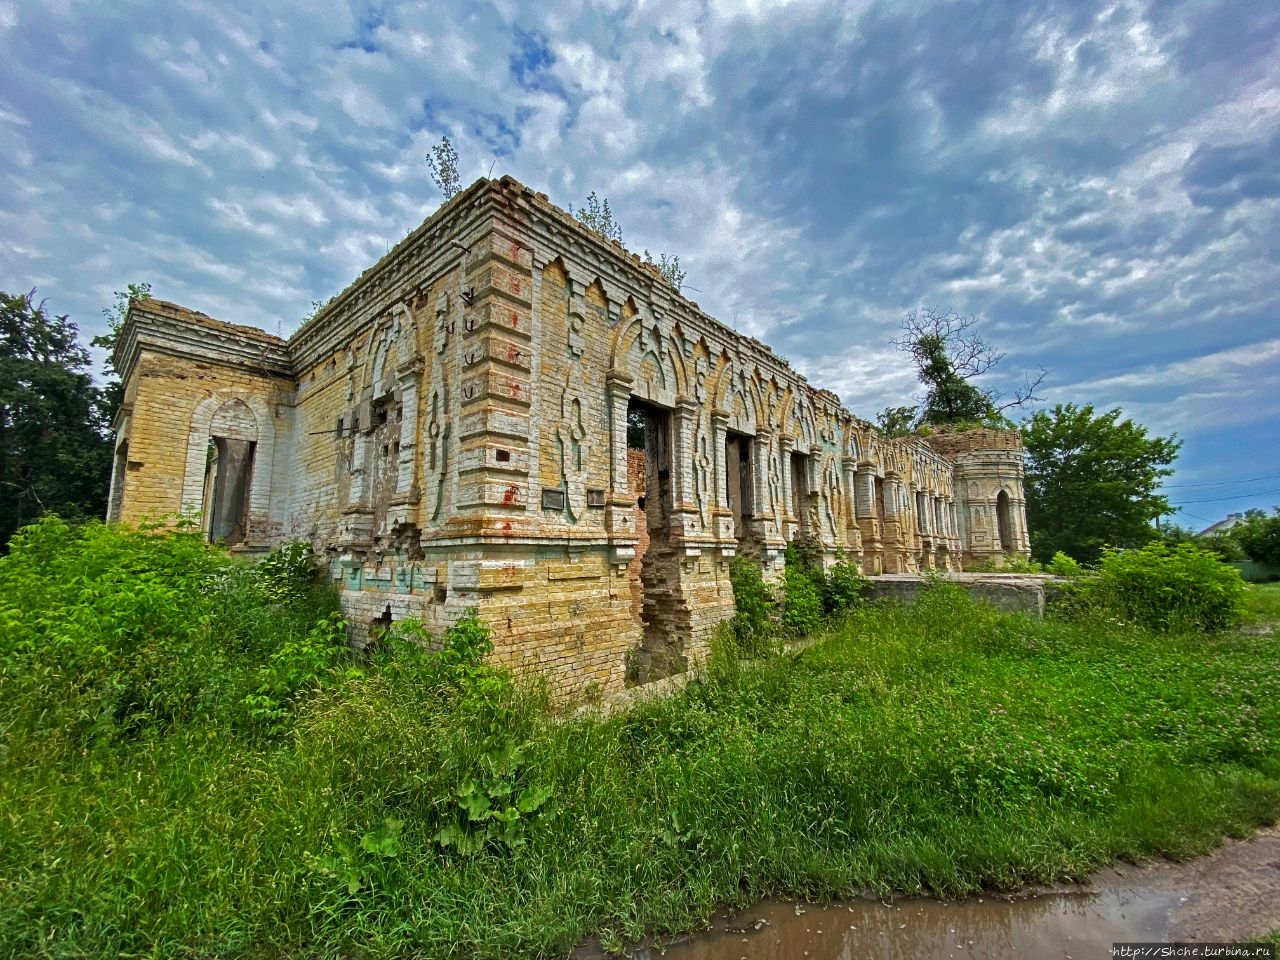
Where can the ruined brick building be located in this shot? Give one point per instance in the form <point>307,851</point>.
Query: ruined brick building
<point>510,413</point>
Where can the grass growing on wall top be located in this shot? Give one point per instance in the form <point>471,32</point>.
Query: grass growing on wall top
<point>940,747</point>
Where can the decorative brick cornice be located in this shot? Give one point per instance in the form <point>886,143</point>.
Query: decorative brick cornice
<point>167,328</point>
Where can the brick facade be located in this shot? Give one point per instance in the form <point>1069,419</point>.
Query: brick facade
<point>451,432</point>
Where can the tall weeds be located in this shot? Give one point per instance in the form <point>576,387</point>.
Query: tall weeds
<point>418,802</point>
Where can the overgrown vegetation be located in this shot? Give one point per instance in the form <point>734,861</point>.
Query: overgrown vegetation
<point>442,164</point>
<point>950,359</point>
<point>1158,587</point>
<point>112,635</point>
<point>1259,536</point>
<point>1009,563</point>
<point>597,215</point>
<point>752,626</point>
<point>417,802</point>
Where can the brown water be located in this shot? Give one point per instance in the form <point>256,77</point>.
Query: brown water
<point>1232,895</point>
<point>1059,925</point>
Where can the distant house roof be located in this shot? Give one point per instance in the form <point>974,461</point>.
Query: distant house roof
<point>1222,526</point>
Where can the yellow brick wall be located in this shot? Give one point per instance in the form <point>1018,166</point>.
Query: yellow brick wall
<point>163,394</point>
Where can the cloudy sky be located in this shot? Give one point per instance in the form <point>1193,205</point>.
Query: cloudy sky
<point>1100,183</point>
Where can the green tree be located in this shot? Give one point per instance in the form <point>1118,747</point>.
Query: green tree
<point>442,161</point>
<point>113,392</point>
<point>1092,481</point>
<point>897,421</point>
<point>948,357</point>
<point>1259,536</point>
<point>1222,546</point>
<point>54,452</point>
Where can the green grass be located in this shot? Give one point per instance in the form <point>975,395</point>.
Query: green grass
<point>1262,604</point>
<point>940,748</point>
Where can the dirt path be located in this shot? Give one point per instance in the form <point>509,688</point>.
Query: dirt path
<point>1231,895</point>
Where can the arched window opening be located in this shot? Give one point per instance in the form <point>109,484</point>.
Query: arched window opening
<point>227,480</point>
<point>800,493</point>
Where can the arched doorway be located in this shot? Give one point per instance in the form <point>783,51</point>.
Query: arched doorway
<point>233,436</point>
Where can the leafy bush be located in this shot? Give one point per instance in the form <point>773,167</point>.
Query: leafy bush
<point>451,657</point>
<point>493,809</point>
<point>752,624</point>
<point>1163,588</point>
<point>811,598</point>
<point>126,633</point>
<point>843,588</point>
<point>288,573</point>
<point>296,665</point>
<point>1063,566</point>
<point>802,612</point>
<point>1224,546</point>
<point>1259,537</point>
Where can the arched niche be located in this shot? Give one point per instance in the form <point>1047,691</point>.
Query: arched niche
<point>1004,521</point>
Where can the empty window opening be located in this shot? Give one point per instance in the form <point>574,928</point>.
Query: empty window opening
<point>800,492</point>
<point>737,477</point>
<point>655,572</point>
<point>502,456</point>
<point>118,475</point>
<point>635,427</point>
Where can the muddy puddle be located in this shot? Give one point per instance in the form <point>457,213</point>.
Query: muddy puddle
<point>1232,895</point>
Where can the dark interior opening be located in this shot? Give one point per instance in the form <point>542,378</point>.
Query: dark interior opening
<point>119,473</point>
<point>737,459</point>
<point>800,492</point>
<point>1004,522</point>
<point>230,468</point>
<point>649,429</point>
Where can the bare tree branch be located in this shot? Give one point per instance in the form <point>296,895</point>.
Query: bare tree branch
<point>1025,393</point>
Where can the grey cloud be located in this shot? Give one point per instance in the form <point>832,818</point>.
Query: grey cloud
<point>1223,176</point>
